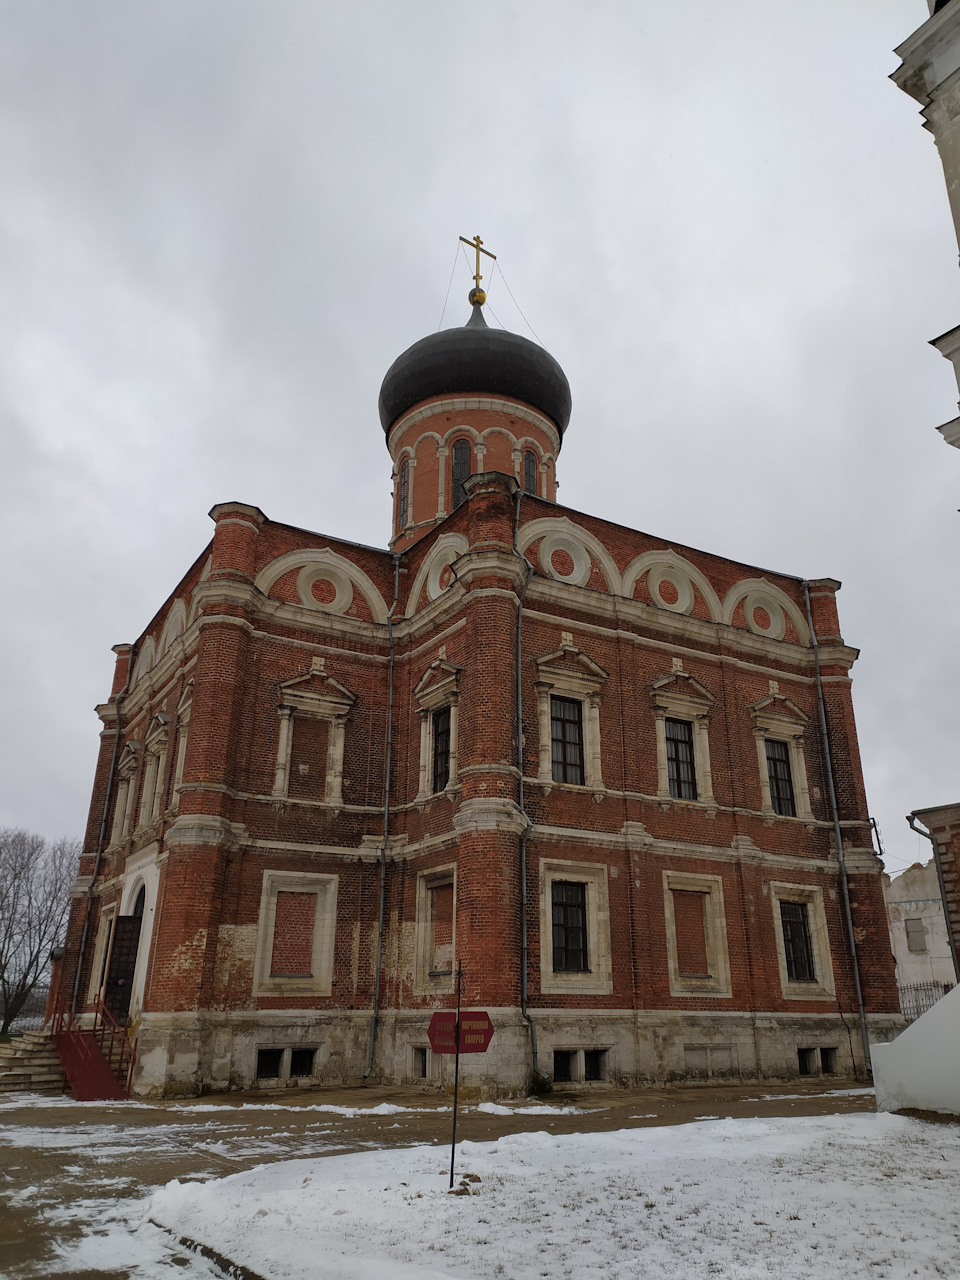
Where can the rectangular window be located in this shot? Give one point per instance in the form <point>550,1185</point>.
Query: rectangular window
<point>807,1062</point>
<point>441,927</point>
<point>420,1064</point>
<point>301,1062</point>
<point>593,1064</point>
<point>292,955</point>
<point>566,732</point>
<point>916,935</point>
<point>828,1062</point>
<point>689,914</point>
<point>796,941</point>
<point>680,766</point>
<point>441,748</point>
<point>563,1065</point>
<point>404,494</point>
<point>269,1062</point>
<point>569,900</point>
<point>781,780</point>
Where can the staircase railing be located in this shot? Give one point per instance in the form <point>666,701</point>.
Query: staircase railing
<point>82,1050</point>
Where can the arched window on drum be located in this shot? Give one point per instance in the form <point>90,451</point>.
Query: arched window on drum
<point>403,497</point>
<point>530,472</point>
<point>461,469</point>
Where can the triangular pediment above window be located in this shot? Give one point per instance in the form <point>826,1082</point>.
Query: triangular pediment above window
<point>127,764</point>
<point>317,693</point>
<point>680,692</point>
<point>570,669</point>
<point>439,683</point>
<point>776,713</point>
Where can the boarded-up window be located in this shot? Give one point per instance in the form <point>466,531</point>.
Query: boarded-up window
<point>916,935</point>
<point>441,928</point>
<point>292,955</point>
<point>691,927</point>
<point>308,758</point>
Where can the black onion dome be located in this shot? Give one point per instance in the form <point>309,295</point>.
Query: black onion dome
<point>480,361</point>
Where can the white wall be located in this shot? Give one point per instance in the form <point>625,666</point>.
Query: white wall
<point>919,1068</point>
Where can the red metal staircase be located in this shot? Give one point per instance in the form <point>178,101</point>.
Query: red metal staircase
<point>97,1060</point>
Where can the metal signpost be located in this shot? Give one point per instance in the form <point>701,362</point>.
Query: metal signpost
<point>457,1033</point>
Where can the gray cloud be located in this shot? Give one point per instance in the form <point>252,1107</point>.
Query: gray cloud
<point>223,221</point>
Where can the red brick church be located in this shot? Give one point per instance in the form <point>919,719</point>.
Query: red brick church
<point>589,764</point>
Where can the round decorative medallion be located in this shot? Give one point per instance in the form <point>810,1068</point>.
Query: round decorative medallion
<point>323,586</point>
<point>670,589</point>
<point>441,576</point>
<point>563,558</point>
<point>764,615</point>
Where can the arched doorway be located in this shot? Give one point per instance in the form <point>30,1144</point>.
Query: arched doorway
<point>123,959</point>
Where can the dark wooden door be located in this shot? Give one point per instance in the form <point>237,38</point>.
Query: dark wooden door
<point>123,961</point>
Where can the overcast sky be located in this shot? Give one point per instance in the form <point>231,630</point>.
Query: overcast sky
<point>221,222</point>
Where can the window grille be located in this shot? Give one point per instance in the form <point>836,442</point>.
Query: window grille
<point>530,473</point>
<point>566,732</point>
<point>796,941</point>
<point>680,767</point>
<point>441,748</point>
<point>569,900</point>
<point>404,494</point>
<point>781,780</point>
<point>461,469</point>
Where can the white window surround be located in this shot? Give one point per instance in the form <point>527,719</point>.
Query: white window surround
<point>317,696</point>
<point>824,987</point>
<point>126,783</point>
<point>184,709</point>
<point>679,696</point>
<point>440,984</point>
<point>779,718</point>
<point>598,981</point>
<point>438,687</point>
<point>100,952</point>
<point>320,981</point>
<point>154,773</point>
<point>569,673</point>
<point>717,985</point>
<point>143,872</point>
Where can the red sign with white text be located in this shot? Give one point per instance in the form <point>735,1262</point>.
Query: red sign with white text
<point>476,1031</point>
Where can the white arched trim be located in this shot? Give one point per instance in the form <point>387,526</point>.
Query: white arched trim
<point>562,530</point>
<point>446,549</point>
<point>758,593</point>
<point>669,560</point>
<point>174,626</point>
<point>316,561</point>
<point>146,659</point>
<point>464,430</point>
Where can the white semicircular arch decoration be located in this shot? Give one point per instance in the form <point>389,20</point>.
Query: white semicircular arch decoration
<point>325,564</point>
<point>146,660</point>
<point>758,594</point>
<point>174,626</point>
<point>667,566</point>
<point>447,548</point>
<point>561,534</point>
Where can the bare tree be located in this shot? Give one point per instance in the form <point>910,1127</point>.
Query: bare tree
<point>34,880</point>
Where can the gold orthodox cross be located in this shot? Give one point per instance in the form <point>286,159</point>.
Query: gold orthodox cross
<point>477,243</point>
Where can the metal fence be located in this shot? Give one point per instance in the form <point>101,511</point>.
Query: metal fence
<point>917,997</point>
<point>30,1017</point>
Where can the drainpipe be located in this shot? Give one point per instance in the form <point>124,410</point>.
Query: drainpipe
<point>911,823</point>
<point>101,841</point>
<point>838,836</point>
<point>527,824</point>
<point>374,1017</point>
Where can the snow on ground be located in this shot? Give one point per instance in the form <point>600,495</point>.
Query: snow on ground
<point>828,1197</point>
